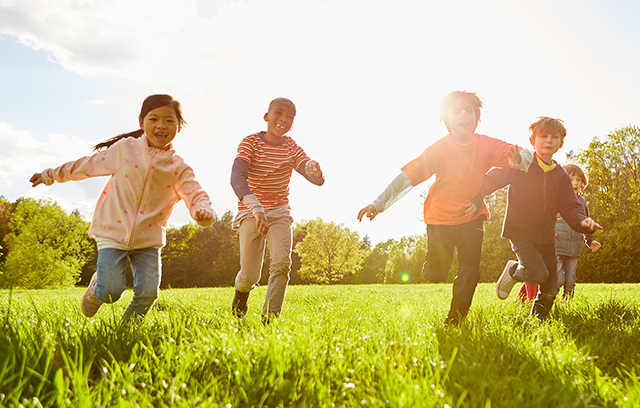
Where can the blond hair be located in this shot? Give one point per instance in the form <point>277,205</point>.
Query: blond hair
<point>455,96</point>
<point>547,126</point>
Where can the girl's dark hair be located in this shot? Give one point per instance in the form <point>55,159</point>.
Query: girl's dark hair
<point>150,103</point>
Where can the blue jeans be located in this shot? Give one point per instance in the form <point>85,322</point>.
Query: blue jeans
<point>567,266</point>
<point>537,264</point>
<point>147,273</point>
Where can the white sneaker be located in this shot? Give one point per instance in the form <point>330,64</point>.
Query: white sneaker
<point>90,303</point>
<point>506,281</point>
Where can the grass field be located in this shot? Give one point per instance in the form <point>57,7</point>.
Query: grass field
<point>334,346</point>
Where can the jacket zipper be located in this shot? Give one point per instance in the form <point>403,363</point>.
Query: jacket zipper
<point>143,196</point>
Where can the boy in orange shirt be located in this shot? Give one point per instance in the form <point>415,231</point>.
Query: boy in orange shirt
<point>459,161</point>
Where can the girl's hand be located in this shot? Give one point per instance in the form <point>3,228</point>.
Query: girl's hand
<point>370,211</point>
<point>470,209</point>
<point>312,168</point>
<point>590,224</point>
<point>36,179</point>
<point>595,245</point>
<point>204,214</point>
<point>261,223</point>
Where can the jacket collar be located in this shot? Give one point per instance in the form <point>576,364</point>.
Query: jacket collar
<point>148,150</point>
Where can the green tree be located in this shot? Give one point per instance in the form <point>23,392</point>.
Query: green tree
<point>47,247</point>
<point>6,208</point>
<point>375,263</point>
<point>613,168</point>
<point>329,252</point>
<point>405,260</point>
<point>617,260</point>
<point>219,253</point>
<point>201,257</point>
<point>178,256</point>
<point>613,194</point>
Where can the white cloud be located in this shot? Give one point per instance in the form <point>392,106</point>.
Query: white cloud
<point>22,154</point>
<point>367,77</point>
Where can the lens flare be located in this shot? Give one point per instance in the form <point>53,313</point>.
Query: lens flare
<point>405,277</point>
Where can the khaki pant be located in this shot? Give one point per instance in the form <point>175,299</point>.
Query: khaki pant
<point>252,247</point>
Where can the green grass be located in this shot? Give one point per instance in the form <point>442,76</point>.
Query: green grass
<point>351,346</point>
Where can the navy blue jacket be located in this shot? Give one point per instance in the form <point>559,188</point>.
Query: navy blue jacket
<point>533,201</point>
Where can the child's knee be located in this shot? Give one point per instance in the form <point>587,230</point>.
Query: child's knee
<point>109,294</point>
<point>434,275</point>
<point>280,266</point>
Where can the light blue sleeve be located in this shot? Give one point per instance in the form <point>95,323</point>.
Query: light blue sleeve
<point>397,189</point>
<point>526,158</point>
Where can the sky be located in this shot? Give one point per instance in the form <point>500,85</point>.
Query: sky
<point>367,78</point>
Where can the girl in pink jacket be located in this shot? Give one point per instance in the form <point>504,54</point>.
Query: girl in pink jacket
<point>147,178</point>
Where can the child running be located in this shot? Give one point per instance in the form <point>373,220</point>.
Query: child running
<point>534,198</point>
<point>260,178</point>
<point>568,242</point>
<point>459,161</point>
<point>147,178</point>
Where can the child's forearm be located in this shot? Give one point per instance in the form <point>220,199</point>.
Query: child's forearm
<point>252,203</point>
<point>317,180</point>
<point>397,189</point>
<point>526,158</point>
<point>239,175</point>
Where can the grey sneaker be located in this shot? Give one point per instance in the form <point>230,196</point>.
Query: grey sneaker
<point>90,303</point>
<point>506,281</point>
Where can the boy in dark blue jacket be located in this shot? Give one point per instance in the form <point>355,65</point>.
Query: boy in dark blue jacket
<point>533,201</point>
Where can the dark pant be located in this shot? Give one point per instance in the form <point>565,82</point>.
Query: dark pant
<point>537,264</point>
<point>441,242</point>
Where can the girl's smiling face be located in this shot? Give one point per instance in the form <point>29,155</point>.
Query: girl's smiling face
<point>161,126</point>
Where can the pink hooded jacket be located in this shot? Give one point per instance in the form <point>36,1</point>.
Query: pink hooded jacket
<point>137,201</point>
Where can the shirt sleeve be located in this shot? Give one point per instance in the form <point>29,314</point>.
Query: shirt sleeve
<point>526,158</point>
<point>239,175</point>
<point>422,167</point>
<point>495,179</point>
<point>252,203</point>
<point>302,169</point>
<point>397,189</point>
<point>103,163</point>
<point>195,198</point>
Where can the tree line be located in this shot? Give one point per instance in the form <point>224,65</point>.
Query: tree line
<point>41,246</point>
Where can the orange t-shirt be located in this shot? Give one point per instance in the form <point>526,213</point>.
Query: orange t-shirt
<point>459,170</point>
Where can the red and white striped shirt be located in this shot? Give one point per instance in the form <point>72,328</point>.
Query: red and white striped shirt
<point>270,168</point>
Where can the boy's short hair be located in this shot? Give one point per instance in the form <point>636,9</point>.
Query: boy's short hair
<point>575,170</point>
<point>455,96</point>
<point>546,126</point>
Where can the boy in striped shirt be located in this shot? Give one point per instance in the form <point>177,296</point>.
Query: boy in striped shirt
<point>260,178</point>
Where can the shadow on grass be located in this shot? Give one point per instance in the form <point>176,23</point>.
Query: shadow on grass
<point>514,367</point>
<point>609,331</point>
